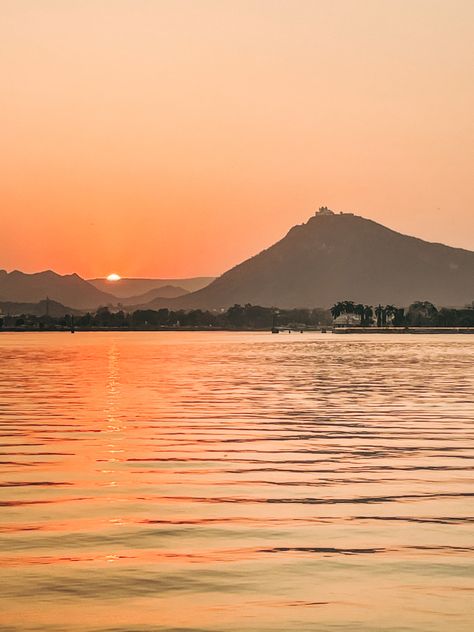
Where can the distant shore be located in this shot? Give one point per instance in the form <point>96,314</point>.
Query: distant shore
<point>403,330</point>
<point>125,329</point>
<point>283,330</point>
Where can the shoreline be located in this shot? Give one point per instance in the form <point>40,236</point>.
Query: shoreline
<point>322,330</point>
<point>403,330</point>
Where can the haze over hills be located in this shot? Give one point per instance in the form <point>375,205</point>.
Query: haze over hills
<point>68,289</point>
<point>128,287</point>
<point>164,291</point>
<point>73,291</point>
<point>42,308</point>
<point>336,257</point>
<point>50,307</point>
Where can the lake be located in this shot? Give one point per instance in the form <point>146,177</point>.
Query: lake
<point>236,482</point>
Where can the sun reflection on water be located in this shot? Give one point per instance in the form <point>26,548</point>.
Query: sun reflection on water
<point>236,483</point>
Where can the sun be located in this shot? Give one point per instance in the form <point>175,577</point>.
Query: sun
<point>114,277</point>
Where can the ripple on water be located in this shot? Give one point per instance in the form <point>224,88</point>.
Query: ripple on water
<point>234,482</point>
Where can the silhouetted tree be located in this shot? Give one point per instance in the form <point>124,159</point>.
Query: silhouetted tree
<point>360,311</point>
<point>368,315</point>
<point>379,314</point>
<point>422,313</point>
<point>336,309</point>
<point>348,307</point>
<point>399,317</point>
<point>236,315</point>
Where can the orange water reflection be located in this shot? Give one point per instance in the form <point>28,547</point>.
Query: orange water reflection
<point>214,482</point>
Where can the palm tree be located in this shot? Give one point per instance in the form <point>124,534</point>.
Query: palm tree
<point>337,309</point>
<point>390,311</point>
<point>399,317</point>
<point>379,310</point>
<point>368,315</point>
<point>360,311</point>
<point>348,307</point>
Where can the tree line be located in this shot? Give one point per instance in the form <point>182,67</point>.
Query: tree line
<point>420,313</point>
<point>384,314</point>
<point>236,317</point>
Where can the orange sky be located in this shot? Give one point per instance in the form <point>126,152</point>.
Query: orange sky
<point>176,138</point>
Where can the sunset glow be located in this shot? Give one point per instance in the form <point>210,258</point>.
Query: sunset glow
<point>178,138</point>
<point>263,423</point>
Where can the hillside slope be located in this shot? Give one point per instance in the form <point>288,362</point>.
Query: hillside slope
<point>165,291</point>
<point>334,257</point>
<point>43,308</point>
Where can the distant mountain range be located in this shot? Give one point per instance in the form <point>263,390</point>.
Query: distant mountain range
<point>79,294</point>
<point>331,257</point>
<point>68,289</point>
<point>165,291</point>
<point>342,256</point>
<point>42,308</point>
<point>128,287</point>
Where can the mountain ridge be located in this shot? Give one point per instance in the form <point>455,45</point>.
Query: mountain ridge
<point>42,308</point>
<point>164,291</point>
<point>334,257</point>
<point>78,293</point>
<point>329,258</point>
<point>67,289</point>
<point>128,287</point>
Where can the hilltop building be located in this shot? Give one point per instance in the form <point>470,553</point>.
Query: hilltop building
<point>324,210</point>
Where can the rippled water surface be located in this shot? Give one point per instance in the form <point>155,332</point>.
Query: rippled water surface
<point>236,482</point>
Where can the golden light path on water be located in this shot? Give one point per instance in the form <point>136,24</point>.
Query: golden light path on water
<point>212,481</point>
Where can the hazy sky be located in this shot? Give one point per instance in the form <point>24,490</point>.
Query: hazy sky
<point>176,138</point>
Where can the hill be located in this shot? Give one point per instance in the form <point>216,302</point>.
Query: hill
<point>43,308</point>
<point>67,289</point>
<point>335,257</point>
<point>129,287</point>
<point>165,291</point>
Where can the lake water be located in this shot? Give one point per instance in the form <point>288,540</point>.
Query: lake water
<point>200,482</point>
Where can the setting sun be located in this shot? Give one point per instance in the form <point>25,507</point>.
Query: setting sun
<point>113,277</point>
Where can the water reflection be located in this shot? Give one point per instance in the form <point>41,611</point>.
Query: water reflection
<point>234,482</point>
